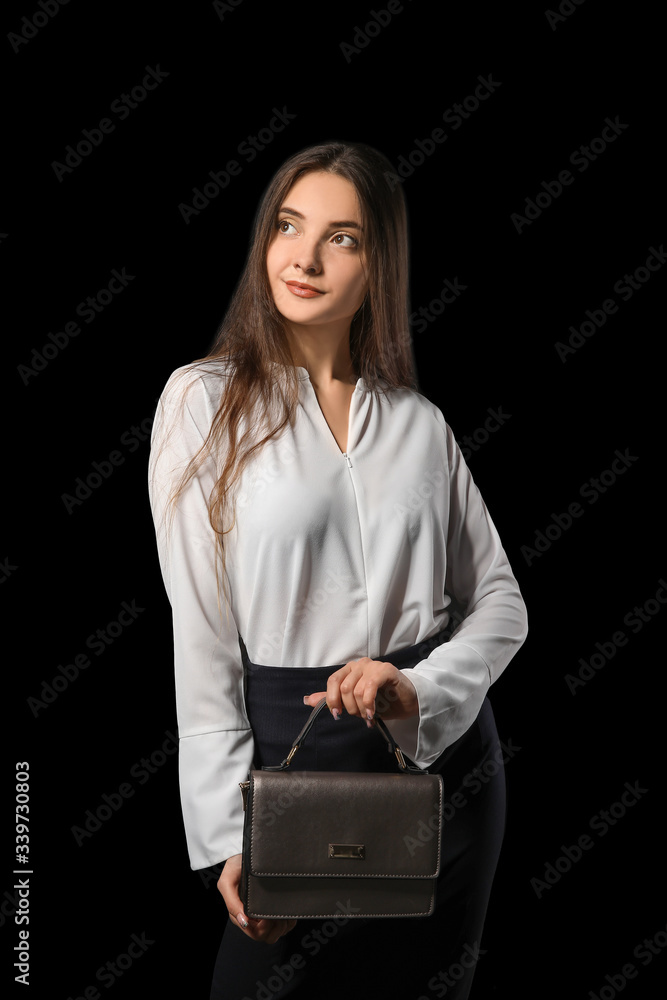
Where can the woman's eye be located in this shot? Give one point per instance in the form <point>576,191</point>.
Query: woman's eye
<point>340,239</point>
<point>345,236</point>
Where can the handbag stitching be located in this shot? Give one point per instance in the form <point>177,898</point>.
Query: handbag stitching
<point>423,878</point>
<point>376,875</point>
<point>302,916</point>
<point>352,874</point>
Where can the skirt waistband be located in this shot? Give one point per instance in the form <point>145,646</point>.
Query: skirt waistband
<point>403,658</point>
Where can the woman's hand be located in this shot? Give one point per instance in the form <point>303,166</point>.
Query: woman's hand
<point>259,930</point>
<point>367,688</point>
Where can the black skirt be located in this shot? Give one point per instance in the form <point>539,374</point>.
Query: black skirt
<point>415,958</point>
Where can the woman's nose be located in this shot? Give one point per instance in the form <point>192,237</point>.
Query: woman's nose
<point>307,256</point>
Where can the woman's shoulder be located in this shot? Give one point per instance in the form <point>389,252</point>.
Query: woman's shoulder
<point>411,399</point>
<point>198,382</point>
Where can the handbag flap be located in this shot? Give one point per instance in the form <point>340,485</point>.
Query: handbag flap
<point>344,824</point>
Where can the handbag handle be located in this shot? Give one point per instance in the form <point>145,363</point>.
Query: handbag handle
<point>393,746</point>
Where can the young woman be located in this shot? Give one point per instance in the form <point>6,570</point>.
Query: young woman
<point>320,534</point>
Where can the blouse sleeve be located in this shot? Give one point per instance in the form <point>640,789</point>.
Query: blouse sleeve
<point>215,739</point>
<point>453,680</point>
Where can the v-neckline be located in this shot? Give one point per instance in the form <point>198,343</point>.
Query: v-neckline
<point>344,452</point>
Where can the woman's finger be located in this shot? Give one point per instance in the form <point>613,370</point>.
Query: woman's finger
<point>365,693</point>
<point>366,688</point>
<point>334,695</point>
<point>348,686</point>
<point>228,886</point>
<point>268,931</point>
<point>312,700</point>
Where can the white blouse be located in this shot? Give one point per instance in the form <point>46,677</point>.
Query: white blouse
<point>332,557</point>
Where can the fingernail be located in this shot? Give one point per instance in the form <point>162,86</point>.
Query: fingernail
<point>369,714</point>
<point>336,714</point>
<point>242,920</point>
<point>305,699</point>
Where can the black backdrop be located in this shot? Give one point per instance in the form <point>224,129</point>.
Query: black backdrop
<point>548,427</point>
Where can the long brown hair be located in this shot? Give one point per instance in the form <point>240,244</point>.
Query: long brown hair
<point>252,337</point>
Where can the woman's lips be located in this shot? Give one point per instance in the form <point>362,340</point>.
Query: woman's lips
<point>303,291</point>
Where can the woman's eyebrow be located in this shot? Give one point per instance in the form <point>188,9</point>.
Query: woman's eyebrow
<point>348,223</point>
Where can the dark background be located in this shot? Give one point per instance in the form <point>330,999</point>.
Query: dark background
<point>68,567</point>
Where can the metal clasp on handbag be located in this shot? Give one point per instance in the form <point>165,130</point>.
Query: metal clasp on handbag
<point>347,851</point>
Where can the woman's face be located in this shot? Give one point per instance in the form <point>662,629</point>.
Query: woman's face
<point>318,242</point>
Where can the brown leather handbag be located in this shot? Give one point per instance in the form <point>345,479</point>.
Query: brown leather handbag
<point>338,844</point>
